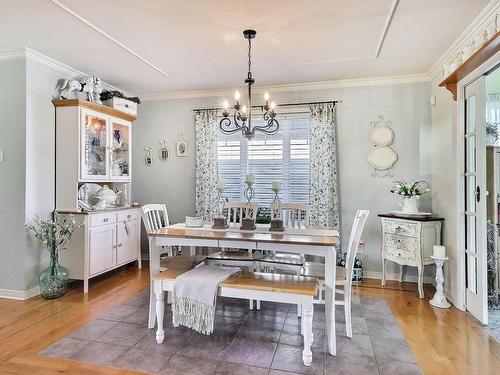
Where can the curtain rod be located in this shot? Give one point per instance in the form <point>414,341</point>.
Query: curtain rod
<point>278,105</point>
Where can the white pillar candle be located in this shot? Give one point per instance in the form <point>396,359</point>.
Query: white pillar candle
<point>276,185</point>
<point>221,185</point>
<point>249,178</point>
<point>439,251</point>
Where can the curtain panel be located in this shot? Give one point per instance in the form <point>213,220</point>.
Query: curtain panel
<point>205,124</point>
<point>323,186</point>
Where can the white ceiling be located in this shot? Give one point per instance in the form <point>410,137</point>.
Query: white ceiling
<point>199,43</point>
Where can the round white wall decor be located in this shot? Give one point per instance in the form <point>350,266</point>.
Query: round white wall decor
<point>382,157</point>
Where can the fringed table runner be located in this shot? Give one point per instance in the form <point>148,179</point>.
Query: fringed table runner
<point>195,295</point>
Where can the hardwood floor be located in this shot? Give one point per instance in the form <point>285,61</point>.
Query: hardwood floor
<point>443,341</point>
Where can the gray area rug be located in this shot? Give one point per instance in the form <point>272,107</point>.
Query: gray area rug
<point>266,342</point>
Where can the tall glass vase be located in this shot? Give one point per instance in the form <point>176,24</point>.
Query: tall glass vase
<point>54,279</point>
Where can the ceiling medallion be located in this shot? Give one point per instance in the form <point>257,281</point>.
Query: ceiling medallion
<point>242,116</point>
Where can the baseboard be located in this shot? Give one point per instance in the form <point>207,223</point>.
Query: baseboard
<point>395,277</point>
<point>20,295</point>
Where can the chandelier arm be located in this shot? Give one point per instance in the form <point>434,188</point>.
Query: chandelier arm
<point>224,126</point>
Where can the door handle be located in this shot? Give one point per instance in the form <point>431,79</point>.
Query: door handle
<point>478,194</point>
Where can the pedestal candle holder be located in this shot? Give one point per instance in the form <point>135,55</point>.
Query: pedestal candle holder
<point>276,220</point>
<point>439,299</point>
<point>247,223</point>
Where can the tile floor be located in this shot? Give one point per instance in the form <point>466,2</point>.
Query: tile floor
<point>266,342</point>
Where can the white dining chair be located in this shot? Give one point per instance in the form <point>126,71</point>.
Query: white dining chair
<point>344,275</point>
<point>235,212</point>
<point>154,217</point>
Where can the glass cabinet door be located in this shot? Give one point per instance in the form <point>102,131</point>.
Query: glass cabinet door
<point>94,150</point>
<point>120,149</point>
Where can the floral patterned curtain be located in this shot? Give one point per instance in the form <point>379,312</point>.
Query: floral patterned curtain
<point>323,187</point>
<point>205,123</point>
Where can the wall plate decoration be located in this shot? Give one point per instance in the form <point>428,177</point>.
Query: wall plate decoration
<point>148,160</point>
<point>164,151</point>
<point>181,147</point>
<point>382,157</point>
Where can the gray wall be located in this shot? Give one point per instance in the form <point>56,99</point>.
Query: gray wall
<point>12,176</point>
<point>407,105</point>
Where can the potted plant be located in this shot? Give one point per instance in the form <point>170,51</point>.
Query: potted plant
<point>409,194</point>
<point>54,234</point>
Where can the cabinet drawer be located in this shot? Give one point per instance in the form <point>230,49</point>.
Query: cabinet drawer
<point>402,248</point>
<point>127,215</point>
<point>401,228</point>
<point>102,219</point>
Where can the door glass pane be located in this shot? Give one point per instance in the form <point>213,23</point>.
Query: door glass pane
<point>471,153</point>
<point>471,233</point>
<point>94,146</point>
<point>471,274</point>
<point>120,147</point>
<point>471,114</point>
<point>470,186</point>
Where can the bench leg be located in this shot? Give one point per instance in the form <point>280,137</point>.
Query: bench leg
<point>160,309</point>
<point>251,304</point>
<point>307,318</point>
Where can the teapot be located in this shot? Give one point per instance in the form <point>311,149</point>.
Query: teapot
<point>106,194</point>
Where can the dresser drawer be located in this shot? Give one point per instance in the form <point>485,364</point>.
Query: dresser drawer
<point>102,219</point>
<point>402,248</point>
<point>401,228</point>
<point>127,215</point>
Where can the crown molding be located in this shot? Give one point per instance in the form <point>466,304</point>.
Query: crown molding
<point>477,26</point>
<point>293,87</point>
<point>29,53</point>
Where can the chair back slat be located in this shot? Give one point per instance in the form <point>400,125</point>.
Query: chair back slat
<point>154,216</point>
<point>236,211</point>
<point>354,238</point>
<point>295,215</point>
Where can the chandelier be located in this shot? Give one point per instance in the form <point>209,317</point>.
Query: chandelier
<point>242,116</point>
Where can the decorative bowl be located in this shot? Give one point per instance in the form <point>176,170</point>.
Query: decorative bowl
<point>194,221</point>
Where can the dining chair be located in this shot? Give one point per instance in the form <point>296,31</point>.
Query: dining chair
<point>344,274</point>
<point>235,212</point>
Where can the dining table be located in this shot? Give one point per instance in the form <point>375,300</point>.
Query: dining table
<point>309,240</point>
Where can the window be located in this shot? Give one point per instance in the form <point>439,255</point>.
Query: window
<point>280,157</point>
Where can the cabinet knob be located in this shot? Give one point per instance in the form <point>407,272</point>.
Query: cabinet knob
<point>129,216</point>
<point>120,245</point>
<point>105,220</point>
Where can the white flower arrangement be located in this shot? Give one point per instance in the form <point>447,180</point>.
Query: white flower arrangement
<point>409,190</point>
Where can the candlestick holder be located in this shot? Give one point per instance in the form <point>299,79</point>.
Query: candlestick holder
<point>247,223</point>
<point>220,222</point>
<point>276,220</point>
<point>439,299</point>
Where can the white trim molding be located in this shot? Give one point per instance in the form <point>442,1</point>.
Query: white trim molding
<point>19,295</point>
<point>29,53</point>
<point>395,277</point>
<point>480,24</point>
<point>293,87</point>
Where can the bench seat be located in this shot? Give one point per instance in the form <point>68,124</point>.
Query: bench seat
<point>252,285</point>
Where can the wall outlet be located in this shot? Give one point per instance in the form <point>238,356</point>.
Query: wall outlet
<point>1,156</point>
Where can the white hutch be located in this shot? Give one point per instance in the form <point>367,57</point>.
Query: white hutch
<point>93,145</point>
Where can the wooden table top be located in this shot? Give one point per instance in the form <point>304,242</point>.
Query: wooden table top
<point>303,238</point>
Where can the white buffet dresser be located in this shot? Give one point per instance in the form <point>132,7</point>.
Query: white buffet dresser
<point>107,240</point>
<point>409,242</point>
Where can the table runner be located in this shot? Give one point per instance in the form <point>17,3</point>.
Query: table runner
<point>195,295</point>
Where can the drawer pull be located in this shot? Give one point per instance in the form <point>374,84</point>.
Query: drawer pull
<point>105,220</point>
<point>129,216</point>
<point>120,245</point>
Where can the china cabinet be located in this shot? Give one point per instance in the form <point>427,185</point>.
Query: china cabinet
<point>409,242</point>
<point>93,161</point>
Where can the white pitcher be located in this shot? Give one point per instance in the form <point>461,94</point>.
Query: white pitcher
<point>409,205</point>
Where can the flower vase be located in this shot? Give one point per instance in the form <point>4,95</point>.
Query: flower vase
<point>409,205</point>
<point>54,279</point>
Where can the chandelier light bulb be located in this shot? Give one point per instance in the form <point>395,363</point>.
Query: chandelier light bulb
<point>266,96</point>
<point>244,109</point>
<point>237,95</point>
<point>272,105</point>
<point>225,104</point>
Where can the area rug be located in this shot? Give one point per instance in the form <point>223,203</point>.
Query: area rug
<point>266,342</point>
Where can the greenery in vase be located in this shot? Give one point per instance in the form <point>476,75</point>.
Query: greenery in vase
<point>54,234</point>
<point>412,189</point>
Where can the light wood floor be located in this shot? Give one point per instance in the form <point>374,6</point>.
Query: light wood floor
<point>443,341</point>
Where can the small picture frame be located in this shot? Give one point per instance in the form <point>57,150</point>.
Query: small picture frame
<point>181,146</point>
<point>164,151</point>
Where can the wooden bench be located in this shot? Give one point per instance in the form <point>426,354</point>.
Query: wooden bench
<point>252,285</point>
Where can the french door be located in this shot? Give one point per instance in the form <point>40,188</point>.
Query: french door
<point>475,200</point>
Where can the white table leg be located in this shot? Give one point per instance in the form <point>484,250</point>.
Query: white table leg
<point>160,310</point>
<point>154,268</point>
<point>401,273</point>
<point>192,250</point>
<point>421,281</point>
<point>330,270</point>
<point>307,319</point>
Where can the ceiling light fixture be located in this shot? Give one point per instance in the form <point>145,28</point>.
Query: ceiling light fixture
<point>242,116</point>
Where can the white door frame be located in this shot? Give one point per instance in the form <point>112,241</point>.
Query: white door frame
<point>487,66</point>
